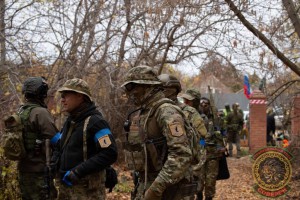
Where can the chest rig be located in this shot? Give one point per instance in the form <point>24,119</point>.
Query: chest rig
<point>145,146</point>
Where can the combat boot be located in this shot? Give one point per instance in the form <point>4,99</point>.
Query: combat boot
<point>200,196</point>
<point>238,154</point>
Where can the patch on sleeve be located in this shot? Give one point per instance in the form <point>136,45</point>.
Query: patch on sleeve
<point>176,129</point>
<point>102,137</point>
<point>104,141</point>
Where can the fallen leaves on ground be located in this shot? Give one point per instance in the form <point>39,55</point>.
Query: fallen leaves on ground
<point>239,186</point>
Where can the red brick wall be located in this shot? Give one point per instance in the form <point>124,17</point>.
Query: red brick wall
<point>258,121</point>
<point>295,118</point>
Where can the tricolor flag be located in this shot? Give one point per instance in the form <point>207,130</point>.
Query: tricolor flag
<point>247,89</point>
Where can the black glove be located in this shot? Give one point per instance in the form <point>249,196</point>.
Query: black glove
<point>71,178</point>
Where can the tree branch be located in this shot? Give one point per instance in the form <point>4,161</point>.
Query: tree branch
<point>263,38</point>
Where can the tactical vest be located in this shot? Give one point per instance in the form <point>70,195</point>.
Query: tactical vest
<point>138,142</point>
<point>235,121</point>
<point>30,135</point>
<point>215,143</point>
<point>145,136</point>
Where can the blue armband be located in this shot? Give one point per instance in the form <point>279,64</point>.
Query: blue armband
<point>202,142</point>
<point>101,133</point>
<point>55,138</point>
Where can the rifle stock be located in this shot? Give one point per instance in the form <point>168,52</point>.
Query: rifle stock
<point>47,171</point>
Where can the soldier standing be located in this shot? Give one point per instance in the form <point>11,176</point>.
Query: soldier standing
<point>271,127</point>
<point>234,123</point>
<point>214,151</point>
<point>157,146</point>
<point>39,129</point>
<point>86,146</point>
<point>172,88</point>
<point>227,109</point>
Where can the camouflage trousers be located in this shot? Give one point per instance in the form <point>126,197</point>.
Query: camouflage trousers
<point>174,193</point>
<point>235,139</point>
<point>89,188</point>
<point>32,186</point>
<point>208,177</point>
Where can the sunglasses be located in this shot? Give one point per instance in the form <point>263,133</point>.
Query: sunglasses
<point>130,86</point>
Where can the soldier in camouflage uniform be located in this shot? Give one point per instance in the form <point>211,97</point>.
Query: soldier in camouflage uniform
<point>214,151</point>
<point>172,87</point>
<point>85,147</point>
<point>39,129</point>
<point>234,123</point>
<point>157,146</point>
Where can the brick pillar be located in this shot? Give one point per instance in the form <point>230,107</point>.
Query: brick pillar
<point>295,119</point>
<point>258,121</point>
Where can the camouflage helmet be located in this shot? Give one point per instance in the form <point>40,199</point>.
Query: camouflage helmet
<point>141,75</point>
<point>76,85</point>
<point>35,86</point>
<point>191,94</point>
<point>170,81</point>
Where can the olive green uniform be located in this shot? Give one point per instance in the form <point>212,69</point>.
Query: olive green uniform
<point>32,167</point>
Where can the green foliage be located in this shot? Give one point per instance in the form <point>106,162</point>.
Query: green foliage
<point>244,152</point>
<point>124,187</point>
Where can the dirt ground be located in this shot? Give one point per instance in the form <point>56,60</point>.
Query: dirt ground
<point>237,187</point>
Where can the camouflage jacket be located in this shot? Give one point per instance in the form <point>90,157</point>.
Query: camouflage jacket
<point>234,122</point>
<point>214,139</point>
<point>166,121</point>
<point>195,119</point>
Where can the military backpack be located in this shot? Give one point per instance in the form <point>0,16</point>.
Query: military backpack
<point>14,142</point>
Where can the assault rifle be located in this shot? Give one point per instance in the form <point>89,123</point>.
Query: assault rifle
<point>47,172</point>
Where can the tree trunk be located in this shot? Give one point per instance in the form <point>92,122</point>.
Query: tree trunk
<point>290,9</point>
<point>2,33</point>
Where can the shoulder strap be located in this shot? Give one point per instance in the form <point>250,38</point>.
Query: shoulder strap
<point>154,108</point>
<point>69,133</point>
<point>25,110</point>
<point>86,122</point>
<point>159,103</point>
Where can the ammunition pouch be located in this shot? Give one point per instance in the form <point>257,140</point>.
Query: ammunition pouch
<point>156,150</point>
<point>234,127</point>
<point>134,156</point>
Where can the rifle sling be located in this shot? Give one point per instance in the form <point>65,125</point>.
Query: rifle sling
<point>69,134</point>
<point>86,121</point>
